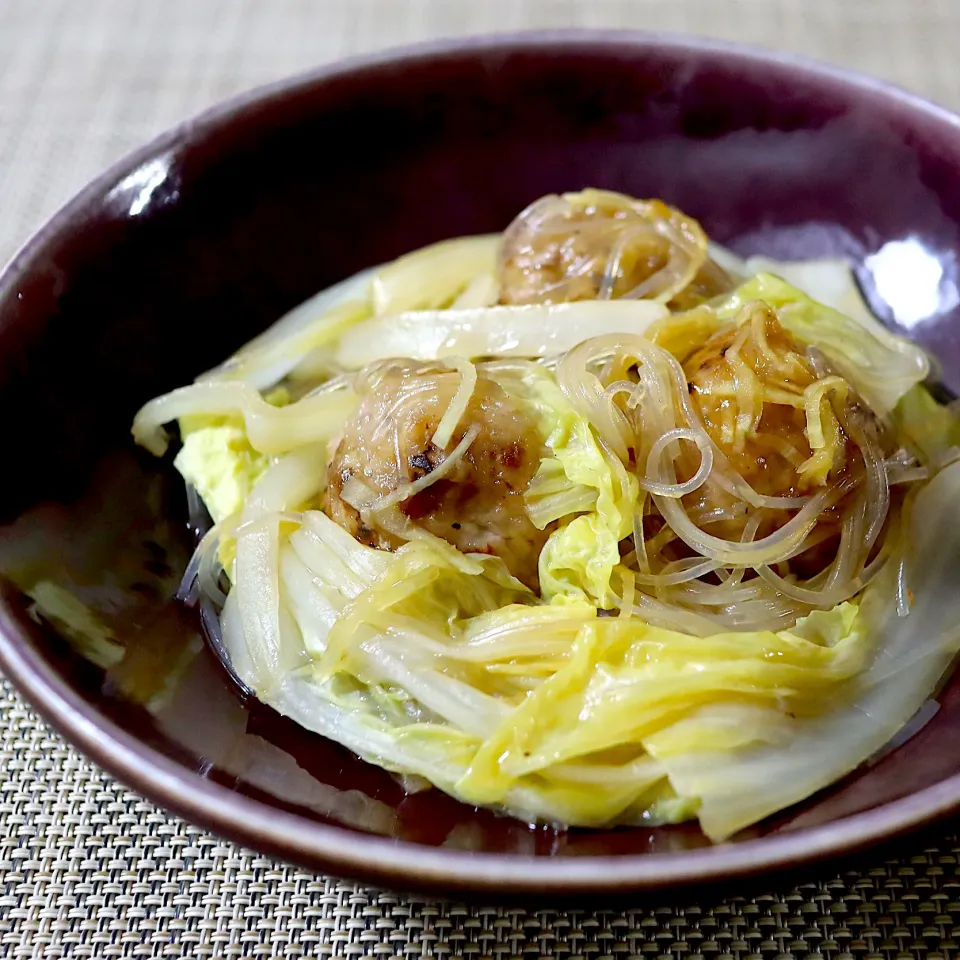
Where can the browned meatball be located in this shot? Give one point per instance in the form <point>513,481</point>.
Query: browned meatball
<point>774,455</point>
<point>479,506</point>
<point>559,249</point>
<point>759,456</point>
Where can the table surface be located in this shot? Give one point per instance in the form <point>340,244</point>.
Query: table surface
<point>89,869</point>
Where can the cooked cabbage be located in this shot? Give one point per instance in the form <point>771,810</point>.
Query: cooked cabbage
<point>549,712</point>
<point>588,487</point>
<point>500,331</point>
<point>882,366</point>
<point>591,523</point>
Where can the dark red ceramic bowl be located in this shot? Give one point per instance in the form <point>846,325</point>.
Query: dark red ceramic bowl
<point>187,248</point>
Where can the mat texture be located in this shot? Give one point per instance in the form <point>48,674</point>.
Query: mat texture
<point>88,869</point>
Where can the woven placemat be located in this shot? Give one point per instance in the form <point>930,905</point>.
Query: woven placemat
<point>89,869</point>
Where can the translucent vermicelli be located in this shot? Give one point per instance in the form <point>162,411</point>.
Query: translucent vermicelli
<point>574,523</point>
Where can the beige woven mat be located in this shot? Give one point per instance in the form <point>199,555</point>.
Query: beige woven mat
<point>88,869</point>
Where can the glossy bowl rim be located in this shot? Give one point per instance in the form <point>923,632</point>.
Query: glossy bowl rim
<point>343,851</point>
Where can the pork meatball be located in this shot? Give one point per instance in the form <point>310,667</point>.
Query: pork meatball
<point>478,507</point>
<point>561,249</point>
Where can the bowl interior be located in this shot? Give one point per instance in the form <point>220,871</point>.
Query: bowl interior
<point>180,254</point>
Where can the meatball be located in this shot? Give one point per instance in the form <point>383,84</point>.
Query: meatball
<point>747,383</point>
<point>771,453</point>
<point>560,248</point>
<point>478,507</point>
